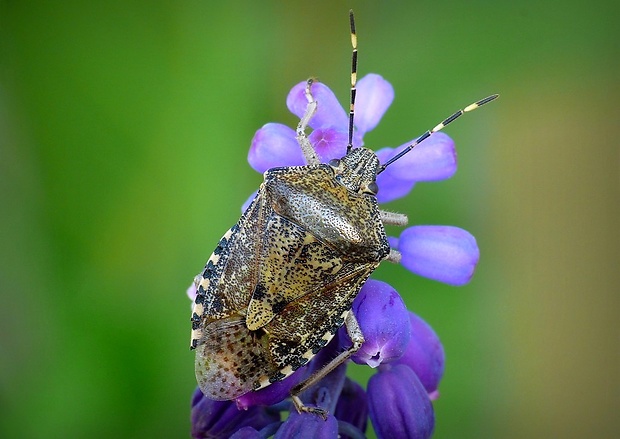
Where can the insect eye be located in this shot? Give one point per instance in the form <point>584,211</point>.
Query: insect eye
<point>372,187</point>
<point>334,163</point>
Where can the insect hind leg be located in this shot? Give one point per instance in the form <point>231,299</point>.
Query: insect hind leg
<point>356,336</point>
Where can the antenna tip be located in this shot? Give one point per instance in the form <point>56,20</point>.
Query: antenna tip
<point>487,99</point>
<point>480,103</point>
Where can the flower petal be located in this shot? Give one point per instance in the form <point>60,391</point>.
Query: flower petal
<point>329,112</point>
<point>246,433</point>
<point>433,159</point>
<point>390,188</point>
<point>274,145</point>
<point>352,405</point>
<point>444,253</point>
<point>424,355</point>
<point>222,418</point>
<point>399,405</point>
<point>329,143</point>
<point>191,292</point>
<point>308,425</point>
<point>393,241</point>
<point>384,321</point>
<point>374,96</point>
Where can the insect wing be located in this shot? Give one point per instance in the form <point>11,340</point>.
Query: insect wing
<point>229,358</point>
<point>308,324</point>
<point>293,263</point>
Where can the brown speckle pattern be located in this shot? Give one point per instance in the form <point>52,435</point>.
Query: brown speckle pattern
<point>281,282</point>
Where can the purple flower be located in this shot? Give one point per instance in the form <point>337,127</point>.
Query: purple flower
<point>399,404</point>
<point>330,123</point>
<point>276,145</point>
<point>384,321</point>
<point>424,355</point>
<point>308,425</point>
<point>406,352</point>
<point>212,419</point>
<point>329,112</point>
<point>191,292</point>
<point>444,253</point>
<point>432,160</point>
<point>323,395</point>
<point>247,433</point>
<point>352,405</point>
<point>274,142</point>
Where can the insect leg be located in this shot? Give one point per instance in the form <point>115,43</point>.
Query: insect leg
<point>393,219</point>
<point>306,147</point>
<point>394,256</point>
<point>356,336</point>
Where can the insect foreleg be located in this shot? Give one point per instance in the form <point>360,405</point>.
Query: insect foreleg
<point>306,147</point>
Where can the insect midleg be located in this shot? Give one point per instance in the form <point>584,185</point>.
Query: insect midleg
<point>393,218</point>
<point>356,336</point>
<point>394,256</point>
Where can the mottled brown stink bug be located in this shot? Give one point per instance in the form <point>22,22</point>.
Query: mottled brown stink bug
<point>281,281</point>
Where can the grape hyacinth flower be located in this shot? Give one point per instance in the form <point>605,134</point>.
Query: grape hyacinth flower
<point>405,351</point>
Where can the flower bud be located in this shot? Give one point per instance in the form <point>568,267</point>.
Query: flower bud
<point>222,418</point>
<point>424,355</point>
<point>384,321</point>
<point>308,426</point>
<point>399,405</point>
<point>444,253</point>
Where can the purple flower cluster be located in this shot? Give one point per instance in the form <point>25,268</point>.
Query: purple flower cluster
<point>405,351</point>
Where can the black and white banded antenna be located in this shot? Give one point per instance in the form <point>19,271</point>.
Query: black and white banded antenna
<point>353,79</point>
<point>441,126</point>
<point>426,135</point>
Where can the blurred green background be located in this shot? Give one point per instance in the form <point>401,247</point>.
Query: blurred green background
<point>124,130</point>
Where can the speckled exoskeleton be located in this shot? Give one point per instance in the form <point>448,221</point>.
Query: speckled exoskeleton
<point>281,281</point>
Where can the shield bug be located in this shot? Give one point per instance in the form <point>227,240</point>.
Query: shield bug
<point>281,281</point>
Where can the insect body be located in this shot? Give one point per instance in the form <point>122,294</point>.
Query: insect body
<point>281,281</point>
